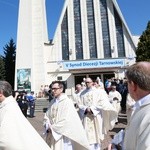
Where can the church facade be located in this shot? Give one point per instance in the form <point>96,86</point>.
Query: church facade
<point>92,39</point>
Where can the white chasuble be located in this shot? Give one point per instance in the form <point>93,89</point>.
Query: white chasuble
<point>103,115</point>
<point>16,132</point>
<point>65,121</point>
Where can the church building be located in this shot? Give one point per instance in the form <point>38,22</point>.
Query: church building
<point>92,39</point>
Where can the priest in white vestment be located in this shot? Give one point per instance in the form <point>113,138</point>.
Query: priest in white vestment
<point>129,106</point>
<point>64,128</point>
<point>137,132</point>
<point>76,95</point>
<point>115,99</point>
<point>138,128</point>
<point>98,115</point>
<point>16,132</point>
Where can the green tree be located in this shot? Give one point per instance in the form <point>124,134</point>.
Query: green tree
<point>143,49</point>
<point>9,61</point>
<point>2,69</point>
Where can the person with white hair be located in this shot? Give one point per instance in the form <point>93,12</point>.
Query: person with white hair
<point>101,84</point>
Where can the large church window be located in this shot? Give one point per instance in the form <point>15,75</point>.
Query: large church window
<point>119,35</point>
<point>91,29</point>
<point>105,29</point>
<point>64,37</point>
<point>78,30</point>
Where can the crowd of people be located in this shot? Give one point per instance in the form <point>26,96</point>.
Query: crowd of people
<point>25,100</point>
<point>81,122</point>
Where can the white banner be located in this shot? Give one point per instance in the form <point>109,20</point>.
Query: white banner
<point>94,64</point>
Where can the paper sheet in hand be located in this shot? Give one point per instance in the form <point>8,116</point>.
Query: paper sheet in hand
<point>118,138</point>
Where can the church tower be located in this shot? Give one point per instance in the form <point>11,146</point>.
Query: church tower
<point>30,52</point>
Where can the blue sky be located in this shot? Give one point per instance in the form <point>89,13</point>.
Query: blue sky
<point>135,12</point>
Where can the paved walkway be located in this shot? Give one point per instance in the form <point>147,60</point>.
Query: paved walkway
<point>37,123</point>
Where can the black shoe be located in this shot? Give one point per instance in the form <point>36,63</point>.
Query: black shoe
<point>116,123</point>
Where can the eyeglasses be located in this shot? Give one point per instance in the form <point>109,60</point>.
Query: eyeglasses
<point>55,88</point>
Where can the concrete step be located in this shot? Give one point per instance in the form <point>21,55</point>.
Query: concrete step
<point>41,104</point>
